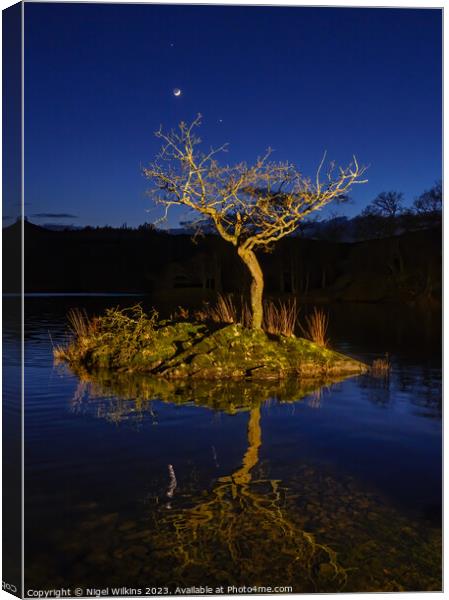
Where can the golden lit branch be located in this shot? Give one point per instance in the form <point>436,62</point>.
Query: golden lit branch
<point>251,206</point>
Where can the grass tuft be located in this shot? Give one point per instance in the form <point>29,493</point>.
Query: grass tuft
<point>79,323</point>
<point>280,318</point>
<point>225,310</point>
<point>315,328</point>
<point>81,329</point>
<point>381,367</point>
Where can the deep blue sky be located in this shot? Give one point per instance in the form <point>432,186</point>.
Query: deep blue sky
<point>99,81</point>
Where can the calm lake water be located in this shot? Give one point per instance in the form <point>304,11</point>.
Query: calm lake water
<point>134,483</point>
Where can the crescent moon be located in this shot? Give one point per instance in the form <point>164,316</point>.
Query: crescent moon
<point>176,92</point>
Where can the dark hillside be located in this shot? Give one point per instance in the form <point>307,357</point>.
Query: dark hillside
<point>400,268</point>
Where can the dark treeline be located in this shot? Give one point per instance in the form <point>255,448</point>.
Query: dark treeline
<point>405,266</point>
<point>385,216</point>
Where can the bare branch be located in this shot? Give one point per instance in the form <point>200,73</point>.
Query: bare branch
<point>251,206</point>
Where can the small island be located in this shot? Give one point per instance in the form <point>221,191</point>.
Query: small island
<point>251,207</point>
<point>131,340</point>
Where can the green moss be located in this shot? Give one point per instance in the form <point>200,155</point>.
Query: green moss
<point>130,340</point>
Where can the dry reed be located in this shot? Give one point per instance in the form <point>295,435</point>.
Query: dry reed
<point>81,327</point>
<point>226,310</point>
<point>381,367</point>
<point>223,311</point>
<point>281,318</point>
<point>315,329</point>
<point>79,323</point>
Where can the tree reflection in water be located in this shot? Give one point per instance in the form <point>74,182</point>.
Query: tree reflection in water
<point>231,534</point>
<point>249,528</point>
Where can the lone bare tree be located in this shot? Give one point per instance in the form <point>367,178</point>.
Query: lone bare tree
<point>385,204</point>
<point>250,206</point>
<point>430,201</point>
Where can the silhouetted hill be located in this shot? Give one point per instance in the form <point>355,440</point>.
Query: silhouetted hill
<point>400,268</point>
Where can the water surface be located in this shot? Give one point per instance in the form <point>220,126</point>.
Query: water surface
<point>132,482</point>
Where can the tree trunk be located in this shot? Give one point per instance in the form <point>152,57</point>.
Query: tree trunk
<point>252,264</point>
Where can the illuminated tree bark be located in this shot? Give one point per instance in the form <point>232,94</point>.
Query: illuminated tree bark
<point>257,284</point>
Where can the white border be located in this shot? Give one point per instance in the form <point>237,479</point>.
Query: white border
<point>309,3</point>
<point>23,294</point>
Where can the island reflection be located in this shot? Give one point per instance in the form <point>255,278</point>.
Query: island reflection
<point>120,396</point>
<point>326,532</point>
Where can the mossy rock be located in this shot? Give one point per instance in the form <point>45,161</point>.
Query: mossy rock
<point>235,352</point>
<point>189,350</point>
